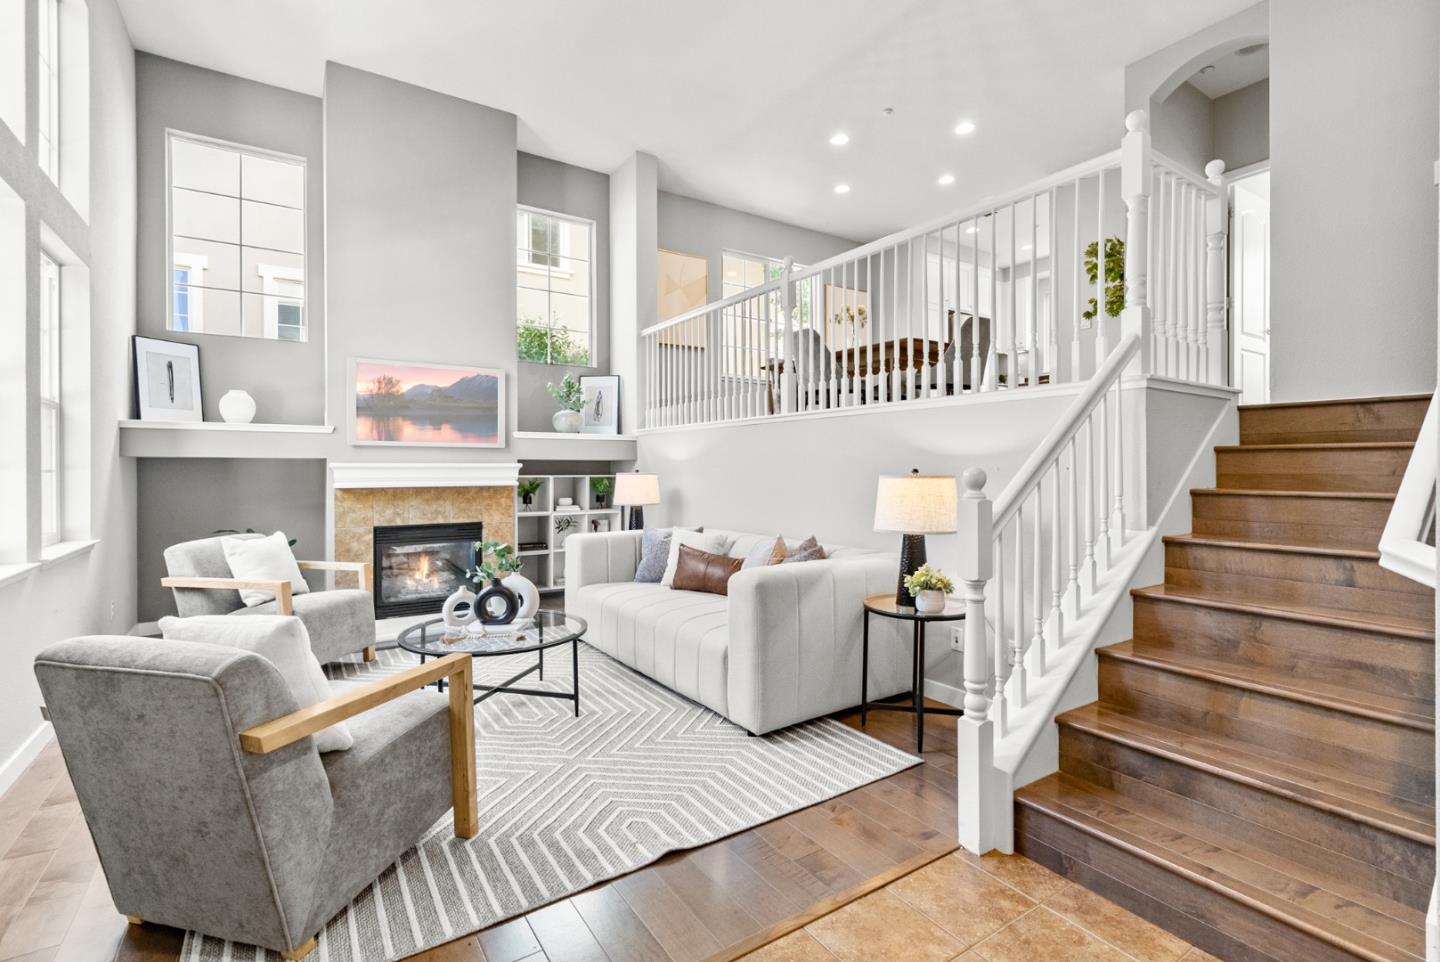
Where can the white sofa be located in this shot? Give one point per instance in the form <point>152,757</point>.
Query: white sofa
<point>783,647</point>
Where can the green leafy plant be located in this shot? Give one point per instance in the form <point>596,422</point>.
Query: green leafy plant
<point>494,558</point>
<point>247,531</point>
<point>567,393</point>
<point>1114,276</point>
<point>602,486</point>
<point>549,345</point>
<point>926,578</point>
<point>527,487</point>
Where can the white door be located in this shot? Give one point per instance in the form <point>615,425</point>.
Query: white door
<point>1250,285</point>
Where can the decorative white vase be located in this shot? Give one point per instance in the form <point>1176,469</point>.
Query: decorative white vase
<point>526,591</point>
<point>567,422</point>
<point>237,407</point>
<point>930,601</point>
<point>455,618</point>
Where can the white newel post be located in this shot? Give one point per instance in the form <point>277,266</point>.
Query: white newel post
<point>787,341</point>
<point>1136,318</point>
<point>975,735</point>
<point>1216,230</point>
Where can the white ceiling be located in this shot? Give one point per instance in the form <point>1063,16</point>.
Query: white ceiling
<point>736,99</point>
<point>1234,71</point>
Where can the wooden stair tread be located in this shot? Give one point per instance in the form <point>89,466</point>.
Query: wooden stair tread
<point>1336,791</point>
<point>1268,493</point>
<point>1408,712</point>
<point>1242,544</point>
<point>1167,841</point>
<point>1381,399</point>
<point>1317,446</point>
<point>1333,617</point>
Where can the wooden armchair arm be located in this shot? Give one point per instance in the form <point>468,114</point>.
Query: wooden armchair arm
<point>288,729</point>
<point>281,589</point>
<point>361,569</point>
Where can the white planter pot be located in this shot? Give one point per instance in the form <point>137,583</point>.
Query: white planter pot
<point>567,422</point>
<point>526,591</point>
<point>237,407</point>
<point>930,601</point>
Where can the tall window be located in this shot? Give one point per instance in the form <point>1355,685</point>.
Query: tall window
<point>50,506</point>
<point>740,272</point>
<point>554,287</point>
<point>49,88</point>
<point>237,240</point>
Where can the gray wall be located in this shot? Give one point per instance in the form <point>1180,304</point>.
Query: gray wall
<point>284,377</point>
<point>420,230</point>
<point>1240,126</point>
<point>696,227</point>
<point>1180,127</point>
<point>1354,125</point>
<point>566,189</point>
<point>186,498</point>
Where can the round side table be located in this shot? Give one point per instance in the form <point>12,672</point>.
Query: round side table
<point>885,607</point>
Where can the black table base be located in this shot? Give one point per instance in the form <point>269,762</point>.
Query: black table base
<point>507,687</point>
<point>916,694</point>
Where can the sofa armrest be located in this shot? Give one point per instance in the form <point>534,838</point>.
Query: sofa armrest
<point>601,557</point>
<point>361,569</point>
<point>795,640</point>
<point>281,589</point>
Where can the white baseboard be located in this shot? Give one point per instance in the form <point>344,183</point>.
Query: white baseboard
<point>949,694</point>
<point>146,629</point>
<point>15,765</point>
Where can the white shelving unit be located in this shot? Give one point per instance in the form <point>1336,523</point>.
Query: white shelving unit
<point>541,530</point>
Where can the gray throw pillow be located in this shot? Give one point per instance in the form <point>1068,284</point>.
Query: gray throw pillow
<point>654,554</point>
<point>807,550</point>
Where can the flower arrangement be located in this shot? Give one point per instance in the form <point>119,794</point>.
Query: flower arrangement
<point>502,561</point>
<point>567,393</point>
<point>926,578</point>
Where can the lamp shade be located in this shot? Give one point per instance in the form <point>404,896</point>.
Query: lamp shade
<point>636,490</point>
<point>915,504</point>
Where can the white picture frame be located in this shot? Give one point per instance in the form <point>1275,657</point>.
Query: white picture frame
<point>601,414</point>
<point>167,380</point>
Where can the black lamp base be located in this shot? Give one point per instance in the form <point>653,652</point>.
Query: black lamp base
<point>912,556</point>
<point>637,518</point>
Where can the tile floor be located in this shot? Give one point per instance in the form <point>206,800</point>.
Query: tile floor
<point>962,908</point>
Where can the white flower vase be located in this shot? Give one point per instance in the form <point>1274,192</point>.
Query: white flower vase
<point>455,617</point>
<point>930,601</point>
<point>567,422</point>
<point>237,407</point>
<point>526,591</point>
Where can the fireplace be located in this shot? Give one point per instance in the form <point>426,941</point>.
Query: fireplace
<point>418,566</point>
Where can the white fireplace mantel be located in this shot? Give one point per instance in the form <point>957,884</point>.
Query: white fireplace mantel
<point>423,474</point>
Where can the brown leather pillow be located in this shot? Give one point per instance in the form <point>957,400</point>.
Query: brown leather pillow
<point>698,570</point>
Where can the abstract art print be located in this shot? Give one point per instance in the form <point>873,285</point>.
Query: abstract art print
<point>602,403</point>
<point>402,402</point>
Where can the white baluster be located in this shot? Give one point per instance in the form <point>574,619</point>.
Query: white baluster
<point>1102,541</point>
<point>1017,637</point>
<point>1077,365</point>
<point>1135,166</point>
<point>975,738</point>
<point>1215,295</point>
<point>1052,349</point>
<point>1002,646</point>
<point>992,373</point>
<point>1032,323</point>
<point>976,372</point>
<point>1012,322</point>
<point>1102,340</point>
<point>1037,599</point>
<point>1120,467</point>
<point>1074,526</point>
<point>1089,564</point>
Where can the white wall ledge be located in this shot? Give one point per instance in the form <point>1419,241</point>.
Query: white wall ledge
<point>130,424</point>
<point>421,474</point>
<point>56,553</point>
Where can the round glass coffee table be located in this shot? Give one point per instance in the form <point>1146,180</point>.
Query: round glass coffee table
<point>548,629</point>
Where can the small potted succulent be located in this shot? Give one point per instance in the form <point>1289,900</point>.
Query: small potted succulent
<point>929,586</point>
<point>601,488</point>
<point>526,488</point>
<point>571,399</point>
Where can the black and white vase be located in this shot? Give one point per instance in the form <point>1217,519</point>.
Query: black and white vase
<point>496,604</point>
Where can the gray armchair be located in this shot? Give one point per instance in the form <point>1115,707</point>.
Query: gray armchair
<point>340,621</point>
<point>208,803</point>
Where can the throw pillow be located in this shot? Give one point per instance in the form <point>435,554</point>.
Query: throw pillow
<point>765,553</point>
<point>704,571</point>
<point>807,550</point>
<point>280,640</point>
<point>654,552</point>
<point>263,559</point>
<point>703,540</point>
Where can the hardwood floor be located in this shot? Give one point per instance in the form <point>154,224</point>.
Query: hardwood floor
<point>714,902</point>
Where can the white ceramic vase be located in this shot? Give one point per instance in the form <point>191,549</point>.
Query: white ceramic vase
<point>237,407</point>
<point>526,591</point>
<point>567,422</point>
<point>455,617</point>
<point>930,601</point>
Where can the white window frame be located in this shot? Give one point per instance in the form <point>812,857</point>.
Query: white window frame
<point>728,326</point>
<point>52,522</point>
<point>197,265</point>
<point>48,55</point>
<point>524,263</point>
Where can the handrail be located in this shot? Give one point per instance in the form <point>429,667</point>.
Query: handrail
<point>1178,169</point>
<point>1403,548</point>
<point>724,302</point>
<point>1049,448</point>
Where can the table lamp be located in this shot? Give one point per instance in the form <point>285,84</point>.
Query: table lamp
<point>914,505</point>
<point>634,491</point>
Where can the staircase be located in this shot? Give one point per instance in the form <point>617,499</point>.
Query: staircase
<point>1258,775</point>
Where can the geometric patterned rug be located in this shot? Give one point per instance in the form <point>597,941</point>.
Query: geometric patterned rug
<point>568,802</point>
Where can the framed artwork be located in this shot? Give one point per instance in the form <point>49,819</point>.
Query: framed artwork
<point>414,403</point>
<point>683,282</point>
<point>602,403</point>
<point>599,524</point>
<point>167,380</point>
<point>847,316</point>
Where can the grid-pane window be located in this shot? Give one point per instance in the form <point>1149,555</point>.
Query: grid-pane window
<point>237,240</point>
<point>749,328</point>
<point>50,507</point>
<point>49,88</point>
<point>554,287</point>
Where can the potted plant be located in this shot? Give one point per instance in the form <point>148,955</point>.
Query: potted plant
<point>1114,276</point>
<point>929,586</point>
<point>504,594</point>
<point>526,488</point>
<point>572,402</point>
<point>601,488</point>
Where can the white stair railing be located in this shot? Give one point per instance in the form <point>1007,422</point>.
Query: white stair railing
<point>1032,565</point>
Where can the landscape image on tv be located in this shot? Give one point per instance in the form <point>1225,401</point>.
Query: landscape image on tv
<point>397,403</point>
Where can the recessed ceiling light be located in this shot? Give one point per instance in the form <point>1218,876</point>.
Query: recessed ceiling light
<point>965,127</point>
<point>946,180</point>
<point>1027,247</point>
<point>839,139</point>
<point>842,188</point>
